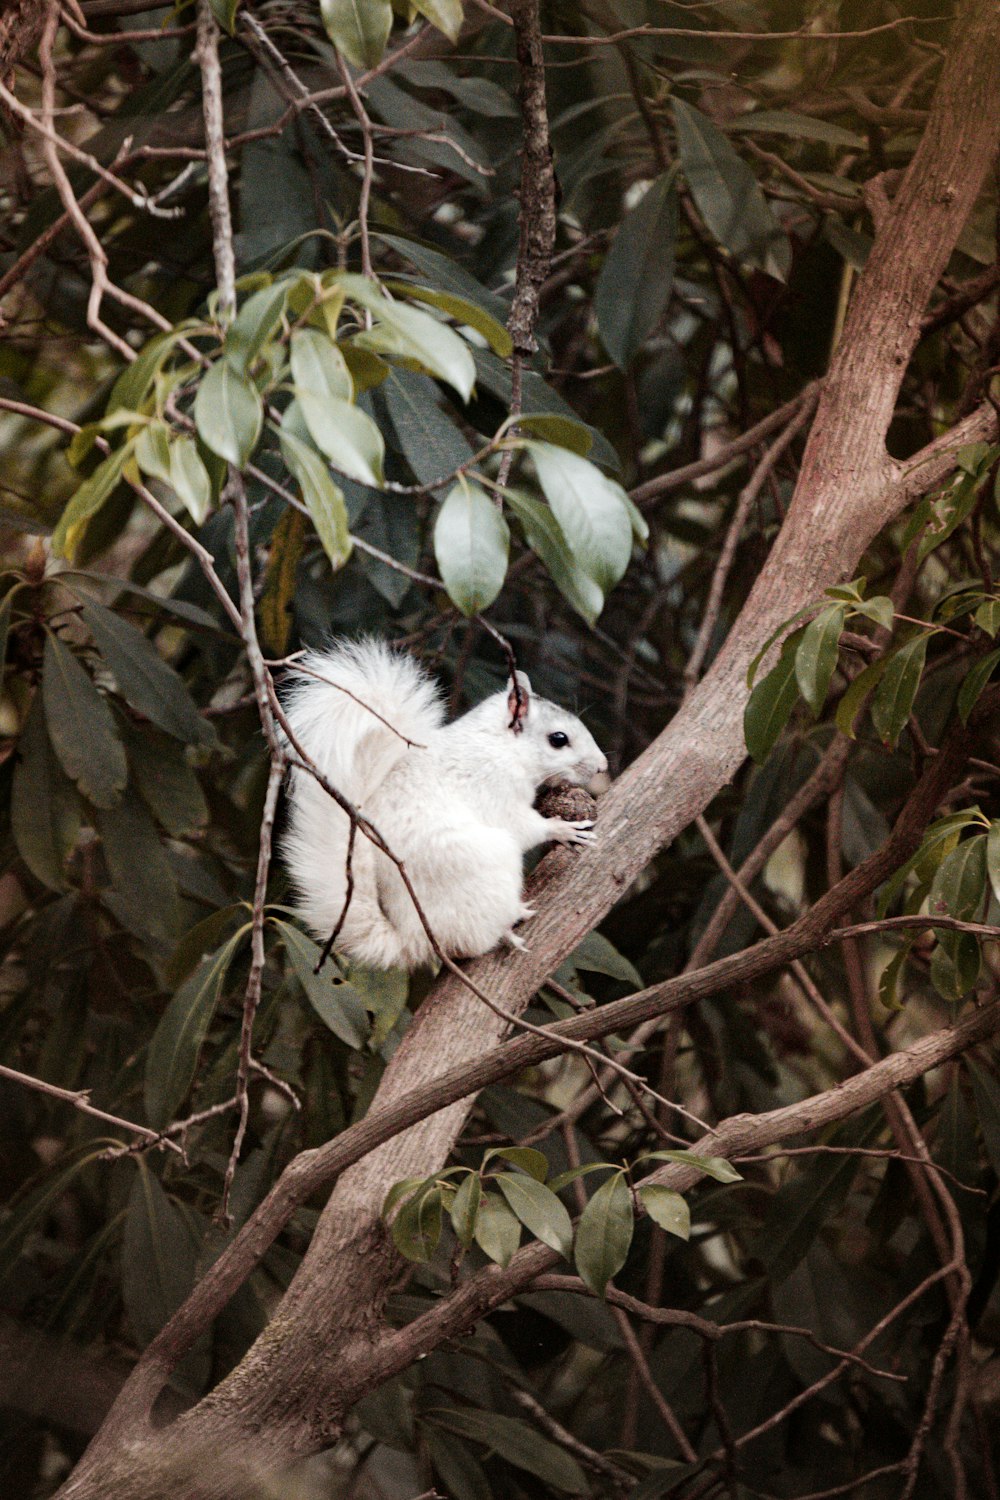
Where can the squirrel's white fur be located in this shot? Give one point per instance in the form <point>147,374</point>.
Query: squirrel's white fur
<point>453,801</point>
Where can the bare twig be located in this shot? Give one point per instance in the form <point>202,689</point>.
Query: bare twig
<point>80,1099</point>
<point>218,186</point>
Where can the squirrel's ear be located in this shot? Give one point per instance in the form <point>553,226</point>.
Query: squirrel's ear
<point>518,702</point>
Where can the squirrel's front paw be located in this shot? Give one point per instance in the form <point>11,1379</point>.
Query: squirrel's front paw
<point>565,832</point>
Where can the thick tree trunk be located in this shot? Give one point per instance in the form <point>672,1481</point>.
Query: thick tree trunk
<point>287,1394</point>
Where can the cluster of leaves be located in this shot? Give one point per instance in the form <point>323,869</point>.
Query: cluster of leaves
<point>811,654</point>
<point>489,1210</point>
<point>286,341</point>
<point>698,285</point>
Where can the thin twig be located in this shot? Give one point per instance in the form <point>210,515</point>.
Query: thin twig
<point>745,501</point>
<point>656,1396</point>
<point>80,1099</point>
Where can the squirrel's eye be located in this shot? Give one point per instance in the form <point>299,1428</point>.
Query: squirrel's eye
<point>558,740</point>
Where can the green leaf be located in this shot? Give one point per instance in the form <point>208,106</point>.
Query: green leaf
<point>894,696</point>
<point>879,609</point>
<point>941,837</point>
<point>158,1255</point>
<point>427,437</point>
<point>358,28</point>
<point>851,703</point>
<point>44,810</point>
<point>133,384</point>
<point>416,1229</point>
<point>165,781</point>
<point>335,1001</point>
<point>400,1190</point>
<point>5,611</point>
<point>782,628</point>
<point>81,728</point>
<point>941,514</point>
<point>189,478</point>
<point>974,684</point>
<point>253,325</point>
<point>713,1166</point>
<point>769,707</point>
<point>598,956</point>
<point>535,1163</point>
<point>987,616</point>
<point>666,1208</point>
<point>471,544</point>
<point>459,1472</point>
<point>464,1209</point>
<point>347,436</point>
<point>955,966</point>
<point>890,977</point>
<point>87,501</point>
<point>986,1093</point>
<point>446,15</point>
<point>993,858</point>
<point>604,1233</point>
<point>727,196</point>
<point>324,499</point>
<point>545,538</point>
<point>590,509</point>
<point>816,658</point>
<point>563,1179</point>
<point>637,276</point>
<point>224,12</point>
<point>152,450</point>
<point>498,1231</point>
<point>959,886</point>
<point>172,1057</point>
<point>799,127</point>
<point>415,335</point>
<point>518,1443</point>
<point>319,367</point>
<point>539,1210</point>
<point>383,993</point>
<point>228,413</point>
<point>460,308</point>
<point>36,1206</point>
<point>152,687</point>
<point>564,432</point>
<point>140,872</point>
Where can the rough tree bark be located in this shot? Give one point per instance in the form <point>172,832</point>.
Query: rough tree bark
<point>849,489</point>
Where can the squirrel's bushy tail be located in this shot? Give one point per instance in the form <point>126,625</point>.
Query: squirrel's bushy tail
<point>355,709</point>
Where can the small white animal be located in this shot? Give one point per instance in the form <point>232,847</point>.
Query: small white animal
<point>453,801</point>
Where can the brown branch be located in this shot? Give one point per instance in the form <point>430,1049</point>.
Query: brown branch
<point>363,1367</point>
<point>207,55</point>
<point>676,1317</point>
<point>382,1132</point>
<point>537,210</point>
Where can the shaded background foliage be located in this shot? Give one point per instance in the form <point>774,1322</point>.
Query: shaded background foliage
<point>712,215</point>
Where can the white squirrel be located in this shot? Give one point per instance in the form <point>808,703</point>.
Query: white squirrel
<point>453,801</point>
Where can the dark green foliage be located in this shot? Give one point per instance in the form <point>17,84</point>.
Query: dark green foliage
<point>711,223</point>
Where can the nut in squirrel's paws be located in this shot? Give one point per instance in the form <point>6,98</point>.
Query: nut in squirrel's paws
<point>580,832</point>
